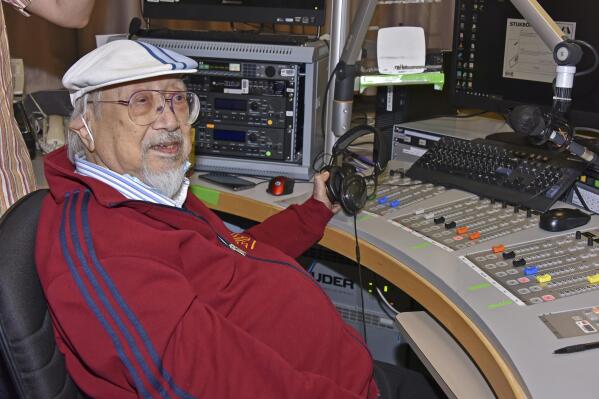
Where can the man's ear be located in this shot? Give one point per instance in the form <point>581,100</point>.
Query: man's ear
<point>82,129</point>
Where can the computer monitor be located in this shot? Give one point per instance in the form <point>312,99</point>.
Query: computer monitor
<point>499,62</point>
<point>302,12</point>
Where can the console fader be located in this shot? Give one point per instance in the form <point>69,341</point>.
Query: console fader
<point>397,192</point>
<point>467,222</point>
<point>543,270</point>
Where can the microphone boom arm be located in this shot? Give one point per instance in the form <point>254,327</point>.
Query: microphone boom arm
<point>540,21</point>
<point>566,53</point>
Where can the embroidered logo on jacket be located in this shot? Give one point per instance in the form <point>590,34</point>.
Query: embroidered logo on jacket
<point>243,241</point>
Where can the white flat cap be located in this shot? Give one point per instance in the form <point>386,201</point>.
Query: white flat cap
<point>123,61</point>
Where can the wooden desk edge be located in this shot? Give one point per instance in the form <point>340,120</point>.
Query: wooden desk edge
<point>499,374</point>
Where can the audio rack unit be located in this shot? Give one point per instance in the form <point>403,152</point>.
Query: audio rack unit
<point>260,105</point>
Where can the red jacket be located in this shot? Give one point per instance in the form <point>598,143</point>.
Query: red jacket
<point>155,301</point>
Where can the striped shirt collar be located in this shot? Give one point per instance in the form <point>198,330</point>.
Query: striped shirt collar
<point>129,186</point>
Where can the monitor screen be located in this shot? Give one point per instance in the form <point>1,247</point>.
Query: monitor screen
<point>498,61</point>
<point>302,12</point>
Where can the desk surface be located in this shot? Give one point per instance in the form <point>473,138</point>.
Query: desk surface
<point>508,342</point>
<point>453,370</point>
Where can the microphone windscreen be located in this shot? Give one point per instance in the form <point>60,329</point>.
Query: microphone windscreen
<point>527,120</point>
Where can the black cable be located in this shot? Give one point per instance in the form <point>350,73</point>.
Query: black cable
<point>360,282</point>
<point>325,101</point>
<point>595,64</point>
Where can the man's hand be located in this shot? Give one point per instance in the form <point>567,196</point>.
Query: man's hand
<point>320,192</point>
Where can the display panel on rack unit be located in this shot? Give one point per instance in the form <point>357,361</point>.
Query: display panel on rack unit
<point>236,141</point>
<point>249,109</point>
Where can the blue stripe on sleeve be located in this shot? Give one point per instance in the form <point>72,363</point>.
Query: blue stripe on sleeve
<point>122,303</point>
<point>141,389</point>
<point>107,305</point>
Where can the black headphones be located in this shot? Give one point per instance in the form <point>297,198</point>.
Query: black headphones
<point>345,185</point>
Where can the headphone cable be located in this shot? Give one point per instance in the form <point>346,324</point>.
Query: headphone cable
<point>360,282</point>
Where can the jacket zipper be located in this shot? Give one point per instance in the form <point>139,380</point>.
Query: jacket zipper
<point>230,245</point>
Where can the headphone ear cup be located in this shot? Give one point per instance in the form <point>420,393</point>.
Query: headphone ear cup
<point>348,170</point>
<point>334,183</point>
<point>353,194</point>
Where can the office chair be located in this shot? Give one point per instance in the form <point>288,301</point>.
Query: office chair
<point>34,367</point>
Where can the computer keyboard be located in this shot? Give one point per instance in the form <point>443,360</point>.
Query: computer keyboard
<point>531,178</point>
<point>228,36</point>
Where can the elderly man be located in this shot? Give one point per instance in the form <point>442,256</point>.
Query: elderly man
<point>149,294</point>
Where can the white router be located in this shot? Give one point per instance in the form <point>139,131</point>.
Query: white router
<point>401,49</point>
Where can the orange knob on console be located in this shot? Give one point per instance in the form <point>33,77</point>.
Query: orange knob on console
<point>461,229</point>
<point>498,248</point>
<point>474,235</point>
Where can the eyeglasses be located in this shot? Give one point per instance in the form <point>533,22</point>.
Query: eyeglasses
<point>146,106</point>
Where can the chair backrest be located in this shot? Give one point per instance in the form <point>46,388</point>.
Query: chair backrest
<point>32,361</point>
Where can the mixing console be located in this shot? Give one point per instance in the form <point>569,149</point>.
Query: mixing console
<point>397,192</point>
<point>467,222</point>
<point>543,270</point>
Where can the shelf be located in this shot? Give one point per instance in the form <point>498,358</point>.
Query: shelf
<point>437,79</point>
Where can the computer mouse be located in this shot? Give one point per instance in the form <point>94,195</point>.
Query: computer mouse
<point>280,185</point>
<point>559,219</point>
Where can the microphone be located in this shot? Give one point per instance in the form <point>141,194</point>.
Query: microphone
<point>530,121</point>
<point>566,55</point>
